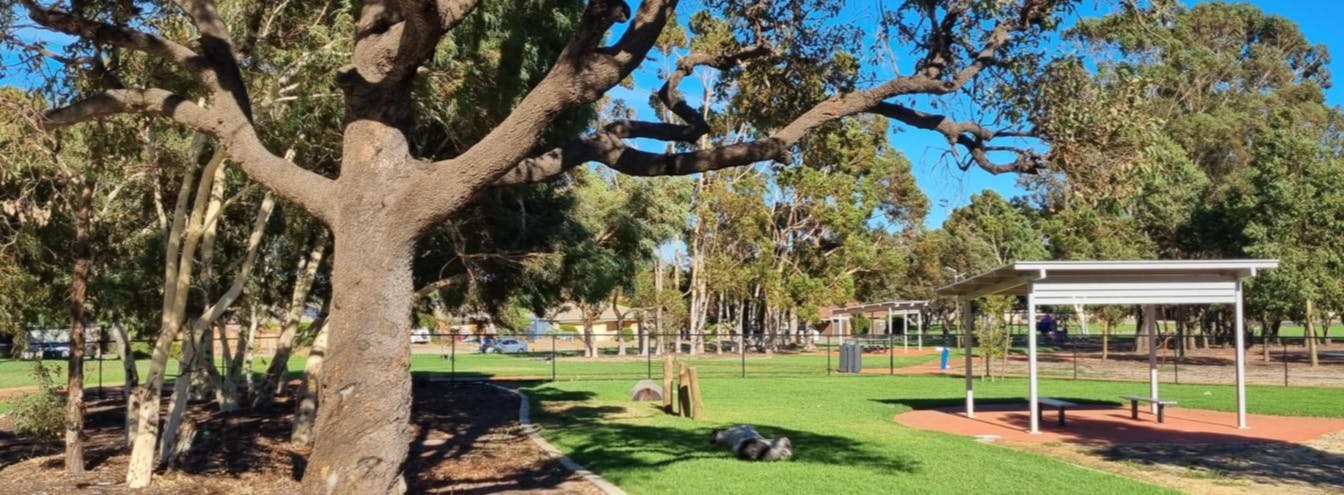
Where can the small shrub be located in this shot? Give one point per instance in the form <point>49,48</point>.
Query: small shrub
<point>41,415</point>
<point>142,350</point>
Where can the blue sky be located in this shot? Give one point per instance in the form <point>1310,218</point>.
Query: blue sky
<point>949,187</point>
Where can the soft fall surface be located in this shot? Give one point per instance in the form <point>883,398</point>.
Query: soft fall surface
<point>843,435</point>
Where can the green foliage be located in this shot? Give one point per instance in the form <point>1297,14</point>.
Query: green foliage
<point>41,414</point>
<point>1196,132</point>
<point>990,232</point>
<point>861,325</point>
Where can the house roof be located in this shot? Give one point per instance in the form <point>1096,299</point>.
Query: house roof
<point>570,314</point>
<point>895,307</point>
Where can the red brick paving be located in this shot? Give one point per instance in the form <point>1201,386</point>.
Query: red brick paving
<point>1112,425</point>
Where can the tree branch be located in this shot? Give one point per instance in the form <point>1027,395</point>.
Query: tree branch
<point>582,73</point>
<point>109,34</point>
<point>607,146</point>
<point>970,135</point>
<point>306,188</point>
<point>671,97</point>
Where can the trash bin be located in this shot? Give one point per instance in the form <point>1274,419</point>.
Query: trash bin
<point>851,357</point>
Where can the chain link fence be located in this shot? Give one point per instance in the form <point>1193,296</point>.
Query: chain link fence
<point>1283,361</point>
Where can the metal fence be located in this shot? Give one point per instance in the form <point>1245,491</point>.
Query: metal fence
<point>1282,361</point>
<point>565,356</point>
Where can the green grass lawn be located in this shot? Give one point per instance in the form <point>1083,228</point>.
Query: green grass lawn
<point>19,373</point>
<point>844,438</point>
<point>841,429</point>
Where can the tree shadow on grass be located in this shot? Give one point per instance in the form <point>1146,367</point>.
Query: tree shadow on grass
<point>1115,437</point>
<point>1267,462</point>
<point>468,441</point>
<point>608,444</point>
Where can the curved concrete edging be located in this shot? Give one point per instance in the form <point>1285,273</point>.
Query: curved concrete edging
<point>525,418</point>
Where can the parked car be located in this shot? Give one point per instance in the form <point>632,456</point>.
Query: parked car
<point>44,350</point>
<point>420,336</point>
<point>504,346</point>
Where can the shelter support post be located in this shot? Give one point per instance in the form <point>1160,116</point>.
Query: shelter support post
<point>905,331</point>
<point>1033,392</point>
<point>967,338</point>
<point>919,329</point>
<point>1240,329</point>
<point>1150,333</point>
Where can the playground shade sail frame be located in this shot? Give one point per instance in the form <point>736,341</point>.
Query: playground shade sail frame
<point>1143,283</point>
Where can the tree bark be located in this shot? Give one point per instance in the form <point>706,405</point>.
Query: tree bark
<point>181,253</point>
<point>309,392</point>
<point>278,371</point>
<point>1311,333</point>
<point>127,356</point>
<point>658,306</point>
<point>79,283</point>
<point>362,432</point>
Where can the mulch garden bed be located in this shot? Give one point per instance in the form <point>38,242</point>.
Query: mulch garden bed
<point>467,440</point>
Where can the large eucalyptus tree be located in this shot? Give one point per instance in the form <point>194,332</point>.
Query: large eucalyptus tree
<point>388,194</point>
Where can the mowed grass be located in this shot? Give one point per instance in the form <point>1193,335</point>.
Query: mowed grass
<point>844,438</point>
<point>841,428</point>
<point>19,373</point>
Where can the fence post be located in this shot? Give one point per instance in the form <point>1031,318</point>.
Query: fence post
<point>648,358</point>
<point>1285,362</point>
<point>891,351</point>
<point>828,355</point>
<point>554,357</point>
<point>452,360</point>
<point>1176,367</point>
<point>1075,363</point>
<point>100,371</point>
<point>742,351</point>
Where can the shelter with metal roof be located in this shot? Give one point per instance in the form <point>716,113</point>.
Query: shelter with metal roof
<point>903,308</point>
<point>1145,283</point>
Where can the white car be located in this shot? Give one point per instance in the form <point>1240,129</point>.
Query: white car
<point>505,346</point>
<point>420,336</point>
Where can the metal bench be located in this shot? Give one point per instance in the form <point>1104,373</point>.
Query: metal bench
<point>1134,401</point>
<point>1055,403</point>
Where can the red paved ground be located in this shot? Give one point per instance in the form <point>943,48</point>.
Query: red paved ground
<point>1111,425</point>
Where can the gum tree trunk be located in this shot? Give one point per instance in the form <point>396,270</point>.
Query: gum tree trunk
<point>74,402</point>
<point>127,356</point>
<point>362,432</point>
<point>306,413</point>
<point>1311,334</point>
<point>278,371</point>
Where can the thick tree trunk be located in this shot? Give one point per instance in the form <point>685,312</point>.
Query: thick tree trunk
<point>79,283</point>
<point>305,415</point>
<point>362,432</point>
